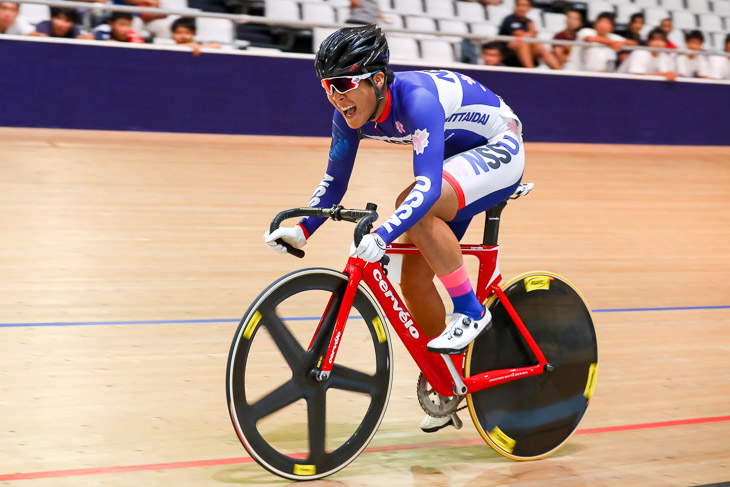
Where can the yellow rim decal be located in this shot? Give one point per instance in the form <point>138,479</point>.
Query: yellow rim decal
<point>379,329</point>
<point>305,469</point>
<point>537,282</point>
<point>591,384</point>
<point>251,325</point>
<point>502,440</point>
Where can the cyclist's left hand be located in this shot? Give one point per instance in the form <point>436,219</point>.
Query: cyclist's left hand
<point>371,248</point>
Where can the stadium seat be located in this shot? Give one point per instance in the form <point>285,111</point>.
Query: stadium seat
<point>719,40</point>
<point>35,13</point>
<point>174,4</point>
<point>646,3</point>
<point>535,14</point>
<point>403,48</point>
<point>318,13</point>
<point>698,6</point>
<point>554,22</point>
<point>470,11</point>
<point>319,34</point>
<point>437,50</point>
<point>484,29</point>
<point>440,9</point>
<point>343,13</point>
<point>408,7</point>
<point>721,7</point>
<point>214,30</point>
<point>597,8</point>
<point>497,13</point>
<point>421,24</point>
<point>711,23</point>
<point>684,20</point>
<point>453,26</point>
<point>654,16</point>
<point>673,4</point>
<point>339,3</point>
<point>282,9</point>
<point>392,20</point>
<point>624,12</point>
<point>385,5</point>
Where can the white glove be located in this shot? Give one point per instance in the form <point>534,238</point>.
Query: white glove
<point>294,236</point>
<point>371,248</point>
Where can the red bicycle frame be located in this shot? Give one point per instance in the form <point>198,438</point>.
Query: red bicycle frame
<point>441,371</point>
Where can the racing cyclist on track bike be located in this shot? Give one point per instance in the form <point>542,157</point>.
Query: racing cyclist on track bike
<point>468,156</point>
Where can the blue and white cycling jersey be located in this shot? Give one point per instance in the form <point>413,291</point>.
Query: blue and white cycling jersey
<point>440,113</point>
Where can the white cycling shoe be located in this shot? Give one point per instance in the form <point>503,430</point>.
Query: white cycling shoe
<point>431,424</point>
<point>459,333</point>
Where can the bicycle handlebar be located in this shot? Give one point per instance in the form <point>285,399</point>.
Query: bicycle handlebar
<point>363,218</point>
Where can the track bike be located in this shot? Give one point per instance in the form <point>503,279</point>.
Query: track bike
<point>527,380</point>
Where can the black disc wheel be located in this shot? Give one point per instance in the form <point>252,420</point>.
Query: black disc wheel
<point>292,424</point>
<point>529,418</point>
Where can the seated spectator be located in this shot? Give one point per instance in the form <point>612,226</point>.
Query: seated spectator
<point>600,58</point>
<point>720,65</point>
<point>11,23</point>
<point>693,65</point>
<point>155,24</point>
<point>63,23</point>
<point>183,33</point>
<point>675,39</point>
<point>633,32</point>
<point>573,23</point>
<point>118,29</point>
<point>517,24</point>
<point>650,62</point>
<point>492,54</point>
<point>364,12</point>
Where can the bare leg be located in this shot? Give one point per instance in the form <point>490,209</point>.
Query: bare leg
<point>524,54</point>
<point>547,56</point>
<point>440,254</point>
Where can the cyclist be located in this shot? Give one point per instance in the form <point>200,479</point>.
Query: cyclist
<point>467,157</point>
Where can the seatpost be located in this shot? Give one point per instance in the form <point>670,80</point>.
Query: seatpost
<point>491,225</point>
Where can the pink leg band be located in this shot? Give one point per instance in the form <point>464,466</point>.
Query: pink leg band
<point>457,283</point>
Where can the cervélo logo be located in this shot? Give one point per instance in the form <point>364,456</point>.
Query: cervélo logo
<point>403,315</point>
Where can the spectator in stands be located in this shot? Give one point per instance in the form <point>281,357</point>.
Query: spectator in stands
<point>573,23</point>
<point>119,29</point>
<point>693,65</point>
<point>650,62</point>
<point>517,24</point>
<point>155,24</point>
<point>364,12</point>
<point>487,2</point>
<point>633,32</point>
<point>600,58</point>
<point>183,33</point>
<point>720,65</point>
<point>11,23</point>
<point>675,38</point>
<point>63,23</point>
<point>492,54</point>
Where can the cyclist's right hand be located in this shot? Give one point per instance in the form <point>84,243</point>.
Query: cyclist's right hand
<point>294,236</point>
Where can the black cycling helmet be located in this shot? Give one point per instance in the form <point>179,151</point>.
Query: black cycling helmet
<point>352,51</point>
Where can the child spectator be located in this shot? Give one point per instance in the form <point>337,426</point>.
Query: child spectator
<point>693,65</point>
<point>600,58</point>
<point>63,23</point>
<point>650,62</point>
<point>720,65</point>
<point>573,23</point>
<point>11,23</point>
<point>119,29</point>
<point>517,24</point>
<point>492,54</point>
<point>183,33</point>
<point>675,38</point>
<point>633,32</point>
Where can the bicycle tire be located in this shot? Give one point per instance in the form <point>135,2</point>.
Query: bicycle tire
<point>245,416</point>
<point>532,417</point>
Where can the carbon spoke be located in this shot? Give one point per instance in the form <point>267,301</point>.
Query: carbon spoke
<point>317,412</point>
<point>353,380</point>
<point>276,400</point>
<point>288,345</point>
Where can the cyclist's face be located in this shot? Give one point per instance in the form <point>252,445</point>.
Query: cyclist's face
<point>357,105</point>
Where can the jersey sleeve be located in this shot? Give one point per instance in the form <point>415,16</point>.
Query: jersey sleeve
<point>330,191</point>
<point>424,118</point>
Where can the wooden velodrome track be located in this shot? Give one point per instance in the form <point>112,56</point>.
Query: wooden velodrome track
<point>127,260</point>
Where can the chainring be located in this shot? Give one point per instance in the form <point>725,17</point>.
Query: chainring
<point>433,403</point>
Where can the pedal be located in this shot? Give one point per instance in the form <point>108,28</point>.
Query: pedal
<point>456,420</point>
<point>522,190</point>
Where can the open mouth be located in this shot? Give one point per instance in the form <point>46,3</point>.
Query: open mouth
<point>349,112</point>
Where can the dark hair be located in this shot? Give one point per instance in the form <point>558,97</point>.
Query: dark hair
<point>120,15</point>
<point>637,15</point>
<point>657,31</point>
<point>606,15</point>
<point>69,13</point>
<point>492,45</point>
<point>185,22</point>
<point>727,39</point>
<point>695,34</point>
